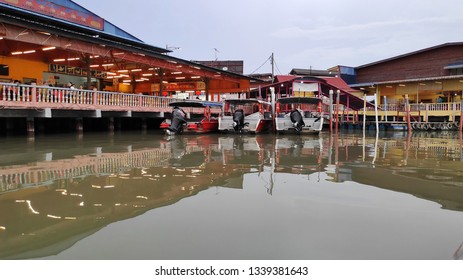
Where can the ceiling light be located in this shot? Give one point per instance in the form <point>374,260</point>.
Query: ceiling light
<point>196,77</point>
<point>16,53</point>
<point>111,73</point>
<point>179,78</point>
<point>123,71</point>
<point>107,64</point>
<point>176,73</point>
<point>59,59</point>
<point>147,74</point>
<point>127,81</point>
<point>136,70</point>
<point>94,66</point>
<point>48,48</point>
<point>30,51</point>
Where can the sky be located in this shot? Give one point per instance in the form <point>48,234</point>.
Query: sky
<point>300,33</point>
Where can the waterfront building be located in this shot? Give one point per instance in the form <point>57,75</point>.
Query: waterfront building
<point>431,79</point>
<point>58,52</point>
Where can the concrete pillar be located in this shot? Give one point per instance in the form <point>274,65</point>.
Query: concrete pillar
<point>9,124</point>
<point>30,126</point>
<point>79,125</point>
<point>111,124</point>
<point>144,125</point>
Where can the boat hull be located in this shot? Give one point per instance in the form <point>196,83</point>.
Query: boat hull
<point>312,125</point>
<point>259,125</point>
<point>191,127</point>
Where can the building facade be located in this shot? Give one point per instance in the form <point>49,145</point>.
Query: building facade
<point>429,80</point>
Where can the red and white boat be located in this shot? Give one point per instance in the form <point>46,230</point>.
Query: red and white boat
<point>245,115</point>
<point>192,117</point>
<point>299,115</point>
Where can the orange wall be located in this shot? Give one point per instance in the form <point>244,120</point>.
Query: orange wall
<point>21,68</point>
<point>221,86</point>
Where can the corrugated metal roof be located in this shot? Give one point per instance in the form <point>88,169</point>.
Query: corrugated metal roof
<point>410,53</point>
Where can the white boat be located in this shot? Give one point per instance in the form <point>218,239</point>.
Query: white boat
<point>299,115</point>
<point>245,115</point>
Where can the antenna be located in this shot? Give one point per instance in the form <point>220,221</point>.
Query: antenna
<point>215,52</point>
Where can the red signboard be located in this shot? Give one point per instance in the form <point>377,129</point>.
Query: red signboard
<point>54,10</point>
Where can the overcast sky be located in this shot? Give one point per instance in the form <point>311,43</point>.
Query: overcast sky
<point>300,33</point>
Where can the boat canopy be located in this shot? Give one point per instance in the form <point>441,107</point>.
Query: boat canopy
<point>246,101</point>
<point>195,104</point>
<point>299,100</point>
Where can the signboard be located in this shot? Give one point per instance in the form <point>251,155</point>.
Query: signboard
<point>311,87</point>
<point>57,11</point>
<point>180,86</point>
<point>64,69</point>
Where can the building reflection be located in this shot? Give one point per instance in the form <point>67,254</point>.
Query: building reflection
<point>50,202</point>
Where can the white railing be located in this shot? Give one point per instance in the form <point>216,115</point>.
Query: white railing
<point>448,106</point>
<point>30,95</point>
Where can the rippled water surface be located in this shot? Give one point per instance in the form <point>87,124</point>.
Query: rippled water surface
<point>145,196</point>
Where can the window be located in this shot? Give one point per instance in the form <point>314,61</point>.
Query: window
<point>4,70</point>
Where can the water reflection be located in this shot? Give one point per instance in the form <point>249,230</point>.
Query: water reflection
<point>56,191</point>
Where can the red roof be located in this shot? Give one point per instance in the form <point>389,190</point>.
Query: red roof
<point>338,83</point>
<point>345,97</point>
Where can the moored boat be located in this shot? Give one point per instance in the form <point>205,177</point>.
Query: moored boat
<point>245,115</point>
<point>191,117</point>
<point>299,115</point>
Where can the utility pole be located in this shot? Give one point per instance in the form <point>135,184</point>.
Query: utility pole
<point>273,67</point>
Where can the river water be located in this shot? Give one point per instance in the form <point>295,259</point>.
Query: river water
<point>141,196</point>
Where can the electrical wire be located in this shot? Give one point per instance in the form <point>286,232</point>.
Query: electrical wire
<point>276,66</point>
<point>261,65</point>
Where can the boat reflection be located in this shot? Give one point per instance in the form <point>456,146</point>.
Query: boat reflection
<point>65,194</point>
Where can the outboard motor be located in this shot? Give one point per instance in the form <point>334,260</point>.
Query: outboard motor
<point>238,120</point>
<point>297,120</point>
<point>177,121</point>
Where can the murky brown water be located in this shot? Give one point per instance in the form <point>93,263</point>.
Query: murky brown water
<point>142,196</point>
